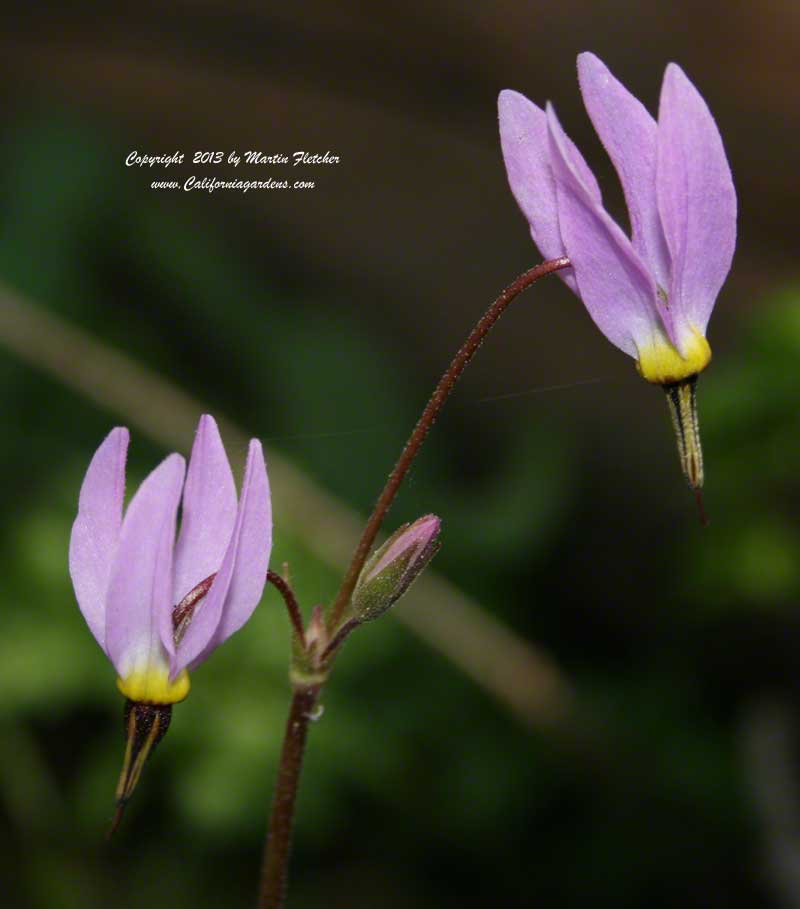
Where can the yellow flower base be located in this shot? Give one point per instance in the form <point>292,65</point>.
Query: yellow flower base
<point>660,363</point>
<point>152,686</point>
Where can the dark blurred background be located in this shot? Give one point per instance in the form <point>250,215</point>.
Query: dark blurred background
<point>660,769</point>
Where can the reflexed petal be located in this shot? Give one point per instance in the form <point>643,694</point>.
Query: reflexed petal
<point>139,603</point>
<point>95,532</point>
<point>208,512</point>
<point>239,583</point>
<point>628,133</point>
<point>696,199</point>
<point>523,137</point>
<point>614,284</point>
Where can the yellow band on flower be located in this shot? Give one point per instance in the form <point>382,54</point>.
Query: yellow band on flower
<point>152,686</point>
<point>660,363</point>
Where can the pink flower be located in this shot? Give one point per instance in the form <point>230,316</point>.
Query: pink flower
<point>131,573</point>
<point>651,294</point>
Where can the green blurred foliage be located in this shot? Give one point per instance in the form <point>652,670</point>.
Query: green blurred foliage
<point>753,399</point>
<point>419,790</point>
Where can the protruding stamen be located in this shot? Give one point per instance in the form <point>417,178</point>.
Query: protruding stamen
<point>701,508</point>
<point>145,726</point>
<point>117,820</point>
<point>682,402</point>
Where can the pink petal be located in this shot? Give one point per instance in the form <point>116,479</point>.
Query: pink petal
<point>696,198</point>
<point>628,133</point>
<point>526,151</point>
<point>96,529</point>
<point>239,583</point>
<point>139,603</point>
<point>208,512</point>
<point>613,283</point>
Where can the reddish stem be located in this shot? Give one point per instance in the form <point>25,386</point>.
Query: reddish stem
<point>417,437</point>
<point>295,616</point>
<point>276,850</point>
<point>275,866</point>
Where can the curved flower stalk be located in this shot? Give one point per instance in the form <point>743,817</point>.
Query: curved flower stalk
<point>374,581</point>
<point>159,606</point>
<point>651,294</point>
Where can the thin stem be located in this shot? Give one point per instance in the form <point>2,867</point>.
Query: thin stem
<point>417,437</point>
<point>284,589</point>
<point>274,871</point>
<point>522,677</point>
<point>275,865</point>
<point>338,639</point>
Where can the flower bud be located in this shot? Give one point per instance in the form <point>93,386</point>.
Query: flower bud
<point>390,570</point>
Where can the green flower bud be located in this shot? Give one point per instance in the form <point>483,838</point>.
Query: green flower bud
<point>390,570</point>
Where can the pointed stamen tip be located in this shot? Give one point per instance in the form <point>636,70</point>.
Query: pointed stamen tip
<point>145,725</point>
<point>117,819</point>
<point>701,508</point>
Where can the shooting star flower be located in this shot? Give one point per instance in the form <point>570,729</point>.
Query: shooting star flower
<point>651,294</point>
<point>159,607</point>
